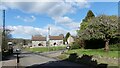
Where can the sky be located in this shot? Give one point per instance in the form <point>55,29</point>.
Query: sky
<point>34,18</point>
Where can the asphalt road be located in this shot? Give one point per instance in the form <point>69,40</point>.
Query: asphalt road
<point>31,60</point>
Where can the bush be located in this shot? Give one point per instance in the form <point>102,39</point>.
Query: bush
<point>75,45</point>
<point>79,43</point>
<point>114,47</point>
<point>6,53</point>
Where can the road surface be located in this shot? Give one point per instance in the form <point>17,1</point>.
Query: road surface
<point>32,60</point>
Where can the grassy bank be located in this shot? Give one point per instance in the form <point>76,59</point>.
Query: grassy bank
<point>113,51</point>
<point>98,52</point>
<point>46,49</point>
<point>94,52</point>
<point>110,57</point>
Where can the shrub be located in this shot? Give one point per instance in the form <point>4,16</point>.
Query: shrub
<point>75,45</point>
<point>79,43</point>
<point>114,47</point>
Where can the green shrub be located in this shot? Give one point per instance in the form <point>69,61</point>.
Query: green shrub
<point>78,43</point>
<point>75,45</point>
<point>114,47</point>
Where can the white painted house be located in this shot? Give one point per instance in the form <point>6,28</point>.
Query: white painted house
<point>38,41</point>
<point>56,40</point>
<point>70,40</point>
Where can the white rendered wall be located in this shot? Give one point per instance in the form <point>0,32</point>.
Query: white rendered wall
<point>35,43</point>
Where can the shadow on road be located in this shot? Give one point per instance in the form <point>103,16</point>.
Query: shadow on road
<point>14,56</point>
<point>81,62</point>
<point>56,64</point>
<point>9,57</point>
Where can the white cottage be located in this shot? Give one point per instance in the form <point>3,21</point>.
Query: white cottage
<point>70,40</point>
<point>38,41</point>
<point>56,40</point>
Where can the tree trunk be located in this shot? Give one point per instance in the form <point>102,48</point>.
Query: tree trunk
<point>107,45</point>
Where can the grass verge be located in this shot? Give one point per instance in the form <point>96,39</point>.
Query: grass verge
<point>46,49</point>
<point>98,52</point>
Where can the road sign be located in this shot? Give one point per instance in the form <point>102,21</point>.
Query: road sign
<point>16,51</point>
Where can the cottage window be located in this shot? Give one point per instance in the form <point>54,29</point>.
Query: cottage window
<point>54,43</point>
<point>40,44</point>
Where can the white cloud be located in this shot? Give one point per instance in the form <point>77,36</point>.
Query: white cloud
<point>73,25</point>
<point>56,10</point>
<point>63,20</point>
<point>56,30</point>
<point>31,0</point>
<point>26,30</point>
<point>67,22</point>
<point>29,30</point>
<point>26,19</point>
<point>60,9</point>
<point>51,8</point>
<point>59,0</point>
<point>18,17</point>
<point>3,7</point>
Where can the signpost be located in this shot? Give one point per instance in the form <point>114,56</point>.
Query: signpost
<point>17,52</point>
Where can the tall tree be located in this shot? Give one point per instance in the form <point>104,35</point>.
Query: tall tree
<point>89,15</point>
<point>66,37</point>
<point>101,27</point>
<point>5,39</point>
<point>24,42</point>
<point>85,22</point>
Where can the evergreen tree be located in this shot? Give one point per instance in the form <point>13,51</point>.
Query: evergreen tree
<point>90,15</point>
<point>66,37</point>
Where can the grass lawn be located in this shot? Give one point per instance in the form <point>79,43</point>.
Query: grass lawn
<point>46,49</point>
<point>110,57</point>
<point>106,57</point>
<point>94,52</point>
<point>63,56</point>
<point>98,52</point>
<point>113,52</point>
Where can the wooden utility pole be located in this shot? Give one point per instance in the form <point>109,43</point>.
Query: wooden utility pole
<point>3,22</point>
<point>3,34</point>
